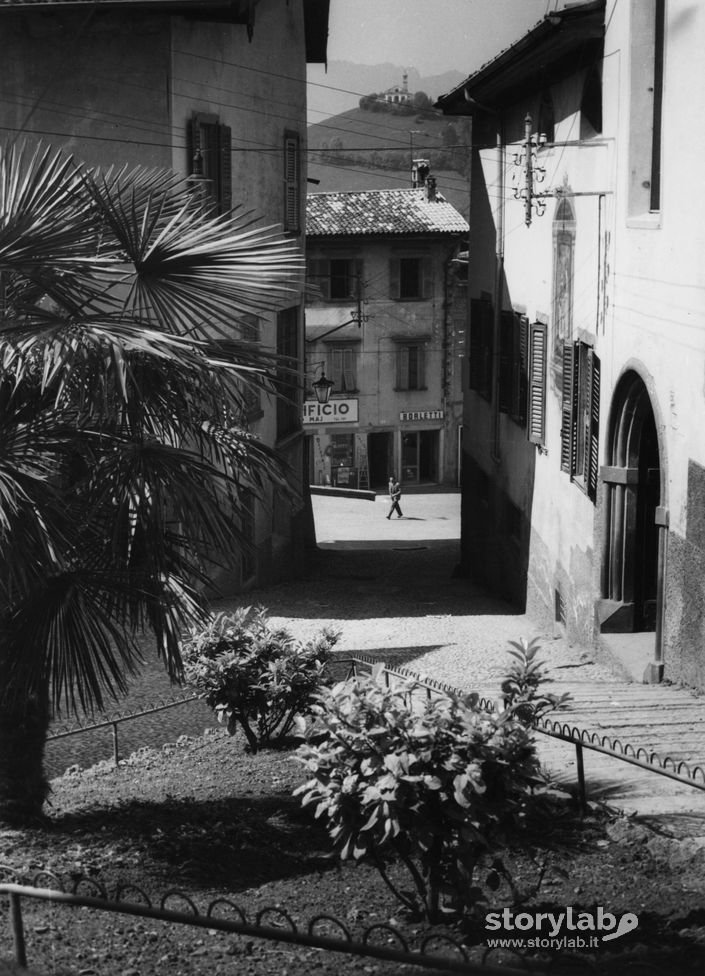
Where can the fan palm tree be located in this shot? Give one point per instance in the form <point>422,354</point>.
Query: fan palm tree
<point>122,450</point>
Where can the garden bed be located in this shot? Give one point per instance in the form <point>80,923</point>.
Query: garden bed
<point>208,818</point>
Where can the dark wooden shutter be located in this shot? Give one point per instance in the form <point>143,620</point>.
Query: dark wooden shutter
<point>291,182</point>
<point>569,407</point>
<point>506,361</point>
<point>536,426</point>
<point>593,442</point>
<point>194,147</point>
<point>426,276</point>
<point>402,367</point>
<point>394,278</point>
<point>349,379</point>
<point>226,169</point>
<point>520,370</point>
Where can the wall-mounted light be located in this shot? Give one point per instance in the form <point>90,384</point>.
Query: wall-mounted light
<point>322,386</point>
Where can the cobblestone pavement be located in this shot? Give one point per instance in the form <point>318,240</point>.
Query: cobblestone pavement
<point>389,587</point>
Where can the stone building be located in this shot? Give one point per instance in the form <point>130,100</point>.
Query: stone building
<point>584,456</point>
<point>194,85</point>
<point>385,322</point>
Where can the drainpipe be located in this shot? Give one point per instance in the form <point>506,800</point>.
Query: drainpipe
<point>498,291</point>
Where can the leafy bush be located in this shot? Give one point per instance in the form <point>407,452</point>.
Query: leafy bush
<point>440,784</point>
<point>255,675</point>
<point>523,680</point>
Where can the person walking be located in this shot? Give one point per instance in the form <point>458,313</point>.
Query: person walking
<point>395,495</point>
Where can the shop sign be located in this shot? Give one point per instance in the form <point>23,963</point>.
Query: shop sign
<point>422,415</point>
<point>333,412</point>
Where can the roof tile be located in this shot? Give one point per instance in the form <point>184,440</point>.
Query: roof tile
<point>381,213</point>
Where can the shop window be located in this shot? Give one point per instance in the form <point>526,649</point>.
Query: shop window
<point>288,413</point>
<point>410,278</point>
<point>342,368</point>
<point>292,183</point>
<point>335,279</point>
<point>580,415</point>
<point>210,157</point>
<point>481,343</point>
<point>411,373</point>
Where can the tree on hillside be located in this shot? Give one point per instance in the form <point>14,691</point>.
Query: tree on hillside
<point>122,451</point>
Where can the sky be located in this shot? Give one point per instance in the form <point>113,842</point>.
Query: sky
<point>432,36</point>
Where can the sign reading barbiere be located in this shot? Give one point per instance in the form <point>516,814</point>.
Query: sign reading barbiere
<point>333,412</point>
<point>422,415</point>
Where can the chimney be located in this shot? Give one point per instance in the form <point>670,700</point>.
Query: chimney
<point>431,188</point>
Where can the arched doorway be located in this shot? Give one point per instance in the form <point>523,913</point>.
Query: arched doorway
<point>632,481</point>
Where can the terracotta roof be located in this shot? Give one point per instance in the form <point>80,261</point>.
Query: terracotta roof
<point>381,213</point>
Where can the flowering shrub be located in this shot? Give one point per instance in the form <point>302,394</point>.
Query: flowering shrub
<point>522,684</point>
<point>440,784</point>
<point>255,675</point>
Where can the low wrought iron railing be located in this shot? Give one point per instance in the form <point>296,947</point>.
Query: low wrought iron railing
<point>691,774</point>
<point>114,721</point>
<point>271,923</point>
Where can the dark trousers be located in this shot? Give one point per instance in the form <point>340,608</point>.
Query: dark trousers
<point>395,508</point>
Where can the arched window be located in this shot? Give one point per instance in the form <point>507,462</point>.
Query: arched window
<point>591,106</point>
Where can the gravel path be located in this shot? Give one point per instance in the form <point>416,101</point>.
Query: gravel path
<point>398,600</point>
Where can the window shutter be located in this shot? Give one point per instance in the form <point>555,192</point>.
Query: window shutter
<point>394,278</point>
<point>421,366</point>
<point>357,283</point>
<point>349,370</point>
<point>593,443</point>
<point>291,183</point>
<point>426,278</point>
<point>403,368</point>
<point>336,368</point>
<point>536,427</point>
<point>194,146</point>
<point>226,169</point>
<point>506,361</point>
<point>568,408</point>
<point>520,370</point>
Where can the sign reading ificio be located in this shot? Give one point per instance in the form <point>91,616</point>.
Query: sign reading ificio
<point>333,412</point>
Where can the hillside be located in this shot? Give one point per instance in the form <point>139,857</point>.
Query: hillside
<point>366,150</point>
<point>338,86</point>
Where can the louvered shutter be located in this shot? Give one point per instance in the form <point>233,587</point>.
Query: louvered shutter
<point>506,361</point>
<point>520,370</point>
<point>421,366</point>
<point>593,441</point>
<point>426,278</point>
<point>349,370</point>
<point>536,426</point>
<point>403,368</point>
<point>226,168</point>
<point>318,278</point>
<point>336,369</point>
<point>394,277</point>
<point>569,407</point>
<point>291,183</point>
<point>194,148</point>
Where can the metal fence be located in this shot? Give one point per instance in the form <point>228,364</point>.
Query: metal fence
<point>690,774</point>
<point>271,923</point>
